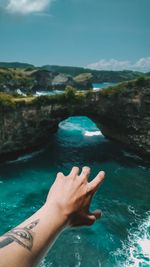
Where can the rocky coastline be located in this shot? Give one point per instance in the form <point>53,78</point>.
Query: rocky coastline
<point>122,113</point>
<point>26,78</point>
<point>29,81</point>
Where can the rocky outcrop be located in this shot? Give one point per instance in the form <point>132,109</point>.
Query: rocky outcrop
<point>24,129</point>
<point>83,81</point>
<point>61,81</point>
<point>125,117</point>
<point>31,80</point>
<point>98,76</point>
<point>42,80</point>
<point>122,114</point>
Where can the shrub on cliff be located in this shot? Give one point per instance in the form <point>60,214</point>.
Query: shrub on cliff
<point>141,81</point>
<point>6,101</point>
<point>89,94</point>
<point>113,89</point>
<point>70,92</point>
<point>46,100</point>
<point>70,96</point>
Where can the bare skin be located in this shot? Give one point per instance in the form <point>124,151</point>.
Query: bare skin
<point>67,205</point>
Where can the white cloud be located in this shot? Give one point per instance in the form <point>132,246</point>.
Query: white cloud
<point>143,64</point>
<point>27,6</point>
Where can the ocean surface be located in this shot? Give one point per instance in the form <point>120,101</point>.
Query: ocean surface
<point>96,86</point>
<point>122,237</point>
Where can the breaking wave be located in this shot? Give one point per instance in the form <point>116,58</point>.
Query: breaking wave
<point>26,157</point>
<point>81,125</point>
<point>96,133</point>
<point>136,249</point>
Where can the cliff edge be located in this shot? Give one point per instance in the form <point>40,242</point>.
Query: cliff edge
<point>122,113</point>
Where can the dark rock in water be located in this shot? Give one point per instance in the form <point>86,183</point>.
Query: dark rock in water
<point>122,113</point>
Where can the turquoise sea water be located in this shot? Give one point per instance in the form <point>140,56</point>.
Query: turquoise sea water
<point>122,237</point>
<point>96,86</point>
<point>103,85</point>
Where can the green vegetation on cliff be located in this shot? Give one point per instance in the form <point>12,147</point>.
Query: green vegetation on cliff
<point>142,81</point>
<point>71,95</point>
<point>121,111</point>
<point>15,78</point>
<point>16,65</point>
<point>29,79</point>
<point>98,75</point>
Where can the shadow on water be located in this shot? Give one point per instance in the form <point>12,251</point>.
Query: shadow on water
<point>70,145</point>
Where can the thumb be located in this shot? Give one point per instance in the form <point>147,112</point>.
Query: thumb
<point>89,219</point>
<point>97,214</point>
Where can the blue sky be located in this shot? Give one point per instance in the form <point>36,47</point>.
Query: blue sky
<point>101,34</point>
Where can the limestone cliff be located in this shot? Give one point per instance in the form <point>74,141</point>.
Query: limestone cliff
<point>125,117</point>
<point>122,114</point>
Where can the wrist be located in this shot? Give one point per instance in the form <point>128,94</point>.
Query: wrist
<point>52,211</point>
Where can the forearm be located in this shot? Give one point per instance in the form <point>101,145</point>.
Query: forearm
<point>67,203</point>
<point>25,245</point>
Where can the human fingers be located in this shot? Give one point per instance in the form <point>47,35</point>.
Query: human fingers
<point>97,214</point>
<point>89,219</point>
<point>96,182</point>
<point>59,175</point>
<point>83,220</point>
<point>85,173</point>
<point>74,172</point>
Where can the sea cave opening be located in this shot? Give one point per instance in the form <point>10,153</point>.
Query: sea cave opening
<point>79,131</point>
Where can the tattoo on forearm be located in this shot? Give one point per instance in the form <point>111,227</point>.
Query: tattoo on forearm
<point>22,236</point>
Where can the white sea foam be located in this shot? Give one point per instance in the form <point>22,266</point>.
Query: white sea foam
<point>96,133</point>
<point>26,157</point>
<point>96,89</point>
<point>69,126</point>
<point>132,210</point>
<point>44,93</point>
<point>19,92</point>
<point>137,248</point>
<point>130,155</point>
<point>41,93</point>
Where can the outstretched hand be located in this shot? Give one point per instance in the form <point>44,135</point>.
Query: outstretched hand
<point>72,195</point>
<point>67,204</point>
